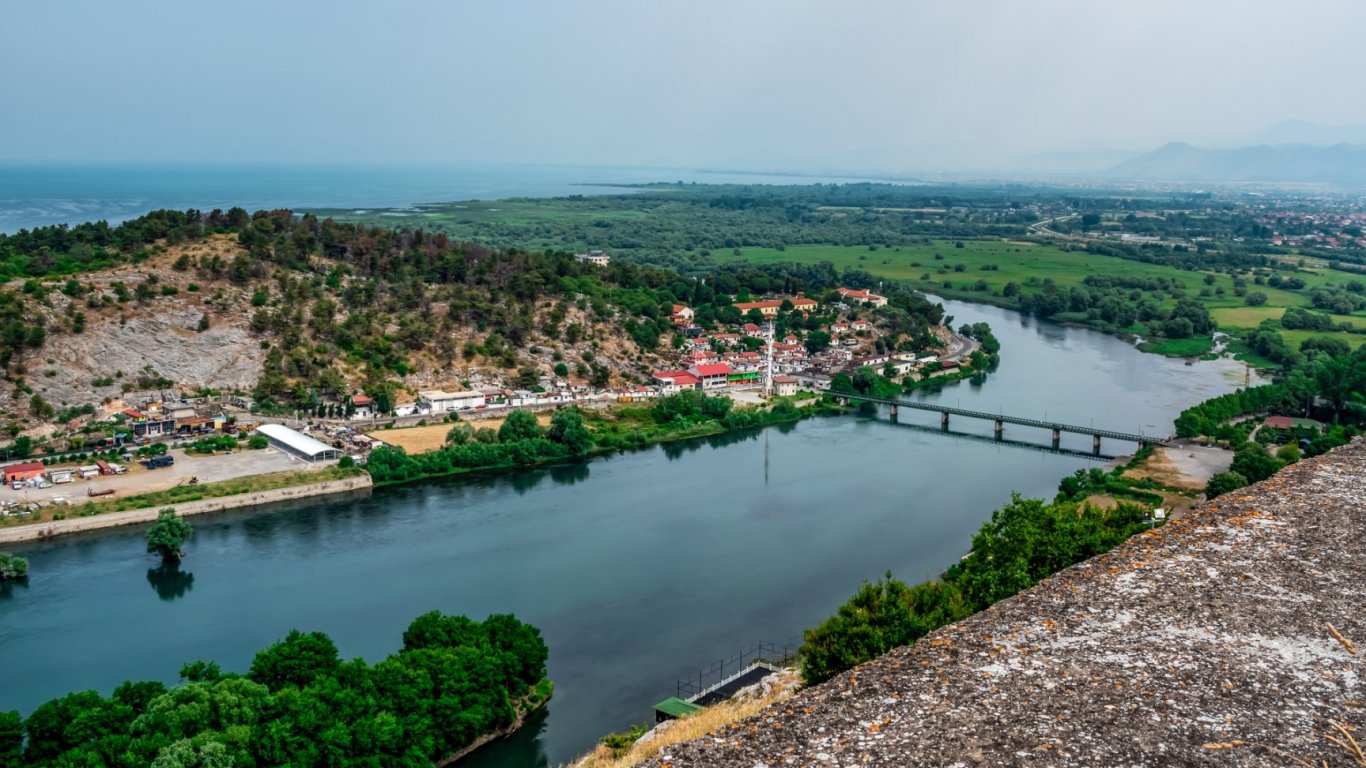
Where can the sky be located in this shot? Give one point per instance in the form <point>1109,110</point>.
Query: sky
<point>792,85</point>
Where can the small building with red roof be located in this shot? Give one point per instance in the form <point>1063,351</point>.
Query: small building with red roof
<point>672,381</point>
<point>18,473</point>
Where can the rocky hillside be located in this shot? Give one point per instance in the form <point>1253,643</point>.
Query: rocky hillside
<point>1233,636</point>
<point>297,319</point>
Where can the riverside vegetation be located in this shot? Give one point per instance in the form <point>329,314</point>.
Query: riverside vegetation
<point>521,442</point>
<point>454,681</point>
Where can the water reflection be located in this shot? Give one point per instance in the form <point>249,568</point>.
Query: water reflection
<point>169,582</point>
<point>569,474</point>
<point>731,438</point>
<point>524,748</point>
<point>9,587</point>
<point>522,482</point>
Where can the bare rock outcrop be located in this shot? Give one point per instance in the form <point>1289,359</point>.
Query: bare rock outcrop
<point>1234,636</point>
<point>166,341</point>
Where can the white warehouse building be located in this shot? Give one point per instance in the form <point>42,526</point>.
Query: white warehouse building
<point>296,443</point>
<point>436,401</point>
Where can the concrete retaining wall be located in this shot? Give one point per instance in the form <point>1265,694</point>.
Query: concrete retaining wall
<point>184,509</point>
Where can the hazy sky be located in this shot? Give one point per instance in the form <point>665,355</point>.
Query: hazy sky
<point>773,84</point>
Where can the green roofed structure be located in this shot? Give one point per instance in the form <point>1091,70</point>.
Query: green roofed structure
<point>673,708</point>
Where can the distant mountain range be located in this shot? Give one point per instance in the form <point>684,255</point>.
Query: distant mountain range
<point>1343,164</point>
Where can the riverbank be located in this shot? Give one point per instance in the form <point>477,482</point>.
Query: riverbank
<point>99,521</point>
<point>535,700</point>
<point>621,429</point>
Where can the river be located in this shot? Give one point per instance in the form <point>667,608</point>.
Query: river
<point>639,568</point>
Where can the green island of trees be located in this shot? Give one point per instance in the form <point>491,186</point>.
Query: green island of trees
<point>168,534</point>
<point>12,567</point>
<point>454,682</point>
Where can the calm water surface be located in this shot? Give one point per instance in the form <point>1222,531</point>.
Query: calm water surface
<point>638,568</point>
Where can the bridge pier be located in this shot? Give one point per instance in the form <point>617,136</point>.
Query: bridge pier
<point>944,419</point>
<point>893,411</point>
<point>1000,428</point>
<point>1057,436</point>
<point>1095,444</point>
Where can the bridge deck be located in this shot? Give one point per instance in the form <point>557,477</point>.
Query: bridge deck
<point>1004,419</point>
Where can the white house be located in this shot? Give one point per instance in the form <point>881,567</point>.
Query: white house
<point>597,258</point>
<point>365,407</point>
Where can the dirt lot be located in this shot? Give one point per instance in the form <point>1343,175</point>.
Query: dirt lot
<point>433,436</point>
<point>140,480</point>
<point>1184,466</point>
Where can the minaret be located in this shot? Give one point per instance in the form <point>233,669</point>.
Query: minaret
<point>768,359</point>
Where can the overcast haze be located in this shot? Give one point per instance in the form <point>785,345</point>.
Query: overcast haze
<point>787,84</point>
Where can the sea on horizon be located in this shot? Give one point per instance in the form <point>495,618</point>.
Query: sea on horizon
<point>43,195</point>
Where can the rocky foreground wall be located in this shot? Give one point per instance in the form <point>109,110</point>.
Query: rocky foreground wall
<point>1233,637</point>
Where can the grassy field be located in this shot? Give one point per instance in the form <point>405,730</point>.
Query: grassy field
<point>429,437</point>
<point>1018,262</point>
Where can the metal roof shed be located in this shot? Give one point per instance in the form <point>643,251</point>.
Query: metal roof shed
<point>297,443</point>
<point>674,707</point>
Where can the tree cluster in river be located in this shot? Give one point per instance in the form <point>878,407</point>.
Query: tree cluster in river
<point>454,681</point>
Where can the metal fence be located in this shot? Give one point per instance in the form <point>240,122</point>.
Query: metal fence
<point>707,677</point>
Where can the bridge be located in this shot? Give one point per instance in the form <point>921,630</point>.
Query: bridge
<point>1005,442</point>
<point>1001,420</point>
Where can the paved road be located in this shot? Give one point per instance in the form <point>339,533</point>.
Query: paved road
<point>962,347</point>
<point>1041,228</point>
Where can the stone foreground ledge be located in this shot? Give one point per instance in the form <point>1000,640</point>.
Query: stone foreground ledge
<point>1205,642</point>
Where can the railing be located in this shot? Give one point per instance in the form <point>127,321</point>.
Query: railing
<point>1004,419</point>
<point>725,670</point>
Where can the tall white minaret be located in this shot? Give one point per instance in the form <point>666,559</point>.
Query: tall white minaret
<point>768,359</point>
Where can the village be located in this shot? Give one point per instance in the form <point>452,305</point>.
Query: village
<point>120,447</point>
<point>747,357</point>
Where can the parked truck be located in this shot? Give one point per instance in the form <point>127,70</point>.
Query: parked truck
<point>156,462</point>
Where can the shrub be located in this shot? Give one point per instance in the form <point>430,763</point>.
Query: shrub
<point>1222,483</point>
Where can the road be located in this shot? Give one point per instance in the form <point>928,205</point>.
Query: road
<point>962,346</point>
<point>1041,228</point>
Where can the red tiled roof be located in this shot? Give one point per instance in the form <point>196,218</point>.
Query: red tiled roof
<point>715,369</point>
<point>679,377</point>
<point>1279,422</point>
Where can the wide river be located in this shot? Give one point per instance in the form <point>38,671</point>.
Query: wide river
<point>639,568</point>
